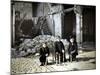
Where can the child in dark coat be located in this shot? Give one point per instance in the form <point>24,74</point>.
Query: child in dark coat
<point>44,52</point>
<point>72,50</point>
<point>60,51</point>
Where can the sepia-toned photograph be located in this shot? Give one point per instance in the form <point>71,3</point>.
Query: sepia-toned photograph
<point>52,37</point>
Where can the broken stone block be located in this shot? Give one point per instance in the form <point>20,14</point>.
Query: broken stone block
<point>33,45</point>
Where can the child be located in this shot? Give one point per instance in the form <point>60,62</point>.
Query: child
<point>72,50</point>
<point>44,53</point>
<point>60,51</point>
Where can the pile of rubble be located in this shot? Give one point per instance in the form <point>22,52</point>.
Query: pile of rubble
<point>33,45</point>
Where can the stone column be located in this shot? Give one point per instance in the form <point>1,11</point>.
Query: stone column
<point>78,29</point>
<point>58,24</point>
<point>57,19</point>
<point>53,24</point>
<point>81,36</point>
<point>78,12</point>
<point>13,26</point>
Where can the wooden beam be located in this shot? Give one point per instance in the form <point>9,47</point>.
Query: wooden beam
<point>63,11</point>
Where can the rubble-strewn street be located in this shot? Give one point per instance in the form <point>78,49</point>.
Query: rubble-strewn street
<point>44,34</point>
<point>33,45</point>
<point>30,64</point>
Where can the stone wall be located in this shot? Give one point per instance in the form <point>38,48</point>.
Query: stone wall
<point>24,8</point>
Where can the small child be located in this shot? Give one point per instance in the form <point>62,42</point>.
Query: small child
<point>72,50</point>
<point>44,53</point>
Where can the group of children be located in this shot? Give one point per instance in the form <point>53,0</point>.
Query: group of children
<point>59,51</point>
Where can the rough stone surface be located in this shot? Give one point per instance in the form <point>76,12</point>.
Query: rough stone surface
<point>31,64</point>
<point>33,45</point>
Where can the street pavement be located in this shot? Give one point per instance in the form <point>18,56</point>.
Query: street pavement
<point>86,60</point>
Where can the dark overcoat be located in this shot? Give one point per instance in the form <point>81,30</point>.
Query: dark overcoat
<point>73,48</point>
<point>59,46</point>
<point>43,52</point>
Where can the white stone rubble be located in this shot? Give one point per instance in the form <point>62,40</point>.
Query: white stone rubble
<point>33,45</point>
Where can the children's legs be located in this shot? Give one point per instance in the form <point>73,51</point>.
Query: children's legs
<point>73,57</point>
<point>70,58</point>
<point>59,58</point>
<point>56,58</point>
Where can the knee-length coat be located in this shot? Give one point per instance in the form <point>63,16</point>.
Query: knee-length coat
<point>43,52</point>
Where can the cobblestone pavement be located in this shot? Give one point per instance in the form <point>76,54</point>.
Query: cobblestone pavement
<point>85,61</point>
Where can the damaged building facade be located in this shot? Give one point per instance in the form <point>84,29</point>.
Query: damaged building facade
<point>36,23</point>
<point>31,19</point>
